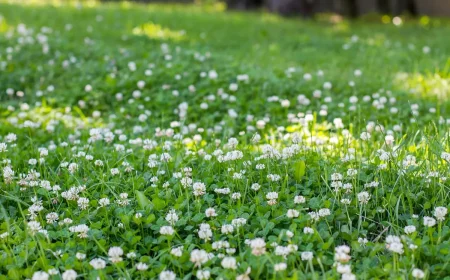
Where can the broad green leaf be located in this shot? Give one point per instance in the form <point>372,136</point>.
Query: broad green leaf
<point>299,170</point>
<point>158,203</point>
<point>142,200</point>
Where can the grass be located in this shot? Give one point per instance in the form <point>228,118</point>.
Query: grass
<point>163,141</point>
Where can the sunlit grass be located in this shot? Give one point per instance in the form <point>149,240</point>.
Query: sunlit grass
<point>165,106</point>
<point>3,25</point>
<point>156,31</point>
<point>48,117</point>
<point>267,17</point>
<point>427,86</point>
<point>54,3</point>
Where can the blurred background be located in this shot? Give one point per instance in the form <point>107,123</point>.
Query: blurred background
<point>349,8</point>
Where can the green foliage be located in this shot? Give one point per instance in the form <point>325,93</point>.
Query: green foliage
<point>146,132</point>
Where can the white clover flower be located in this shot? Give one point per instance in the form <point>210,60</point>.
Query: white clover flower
<point>429,221</point>
<point>256,138</point>
<point>205,232</point>
<point>352,172</point>
<point>52,217</point>
<point>336,177</point>
<point>348,276</point>
<point>131,255</point>
<point>69,275</point>
<point>98,264</point>
<point>258,246</point>
<point>280,266</point>
<point>324,212</point>
<point>255,186</point>
<point>199,257</point>
<point>210,212</point>
<point>346,201</point>
<point>308,230</point>
<point>343,268</point>
<point>394,244</point>
<point>285,103</point>
<point>199,188</point>
<point>83,203</point>
<point>165,157</point>
<point>307,256</point>
<point>363,241</point>
<point>363,197</point>
<point>8,174</point>
<point>88,88</point>
<point>410,229</point>
<point>123,199</point>
<point>418,273</point>
<point>314,216</point>
<point>80,256</point>
<point>40,275</point>
<point>445,156</point>
<point>203,274</point>
<point>10,137</point>
<point>73,167</point>
<point>167,230</point>
<point>172,217</point>
<point>292,213</point>
<point>298,199</point>
<point>440,213</point>
<point>167,275</point>
<point>220,245</point>
<point>235,196</point>
<point>141,266</point>
<point>103,202</point>
<point>3,147</point>
<point>389,139</point>
<point>307,76</point>
<point>229,263</point>
<point>34,227</point>
<point>272,198</point>
<point>227,229</point>
<point>115,171</point>
<point>177,252</point>
<point>342,254</point>
<point>233,87</point>
<point>115,254</point>
<point>365,136</point>
<point>238,222</point>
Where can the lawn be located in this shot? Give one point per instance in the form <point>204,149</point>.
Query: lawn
<point>186,142</point>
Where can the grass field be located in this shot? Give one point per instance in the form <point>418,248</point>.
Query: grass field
<point>185,142</point>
